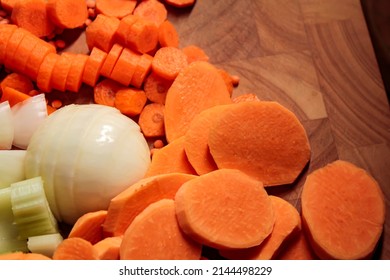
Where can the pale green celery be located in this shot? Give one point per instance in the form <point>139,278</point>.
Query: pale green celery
<point>31,211</point>
<point>9,234</point>
<point>44,244</point>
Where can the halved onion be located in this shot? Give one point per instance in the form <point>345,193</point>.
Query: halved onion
<point>27,116</point>
<point>6,126</point>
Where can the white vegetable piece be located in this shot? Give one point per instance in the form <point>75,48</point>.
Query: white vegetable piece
<point>11,167</point>
<point>44,244</point>
<point>86,155</point>
<point>27,116</point>
<point>6,126</point>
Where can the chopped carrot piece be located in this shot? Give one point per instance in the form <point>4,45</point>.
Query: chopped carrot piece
<point>45,72</point>
<point>104,92</point>
<point>23,256</point>
<point>287,224</point>
<point>123,28</point>
<point>101,32</point>
<point>195,53</point>
<point>67,14</point>
<point>142,36</point>
<point>343,211</point>
<point>6,31</point>
<point>156,88</point>
<point>23,52</point>
<point>13,96</point>
<point>17,81</point>
<point>36,57</point>
<point>125,66</point>
<point>61,70</point>
<point>167,35</point>
<point>180,3</point>
<point>245,97</point>
<point>124,207</point>
<point>144,67</point>
<point>297,248</point>
<point>12,45</point>
<point>108,248</point>
<point>75,248</point>
<point>151,120</point>
<point>168,62</point>
<point>162,214</point>
<point>115,8</point>
<point>76,71</point>
<point>89,226</point>
<point>170,159</point>
<point>111,59</point>
<point>32,15</point>
<point>130,101</point>
<point>93,65</point>
<point>152,10</point>
<point>198,87</point>
<point>239,211</point>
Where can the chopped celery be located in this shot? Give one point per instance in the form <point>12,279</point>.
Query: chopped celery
<point>31,211</point>
<point>44,244</point>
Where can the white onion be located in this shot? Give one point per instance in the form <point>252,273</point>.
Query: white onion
<point>86,154</point>
<point>27,116</point>
<point>6,126</point>
<point>11,167</point>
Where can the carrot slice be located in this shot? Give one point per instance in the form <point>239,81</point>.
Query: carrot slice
<point>12,45</point>
<point>36,57</point>
<point>104,92</point>
<point>124,207</point>
<point>225,209</point>
<point>343,210</point>
<point>156,88</point>
<point>170,159</point>
<point>32,16</point>
<point>245,97</point>
<point>115,8</point>
<point>61,70</point>
<point>167,35</point>
<point>89,226</point>
<point>125,66</point>
<point>159,221</point>
<point>142,36</point>
<point>168,62</point>
<point>198,87</point>
<point>130,101</point>
<point>93,65</point>
<point>298,248</point>
<point>101,32</point>
<point>6,31</point>
<point>76,71</point>
<point>108,248</point>
<point>17,81</point>
<point>197,137</point>
<point>124,27</point>
<point>151,120</point>
<point>152,10</point>
<point>144,67</point>
<point>180,3</point>
<point>45,72</point>
<point>263,139</point>
<point>93,29</point>
<point>75,248</point>
<point>195,53</point>
<point>67,14</point>
<point>23,52</point>
<point>13,96</point>
<point>287,224</point>
<point>111,59</point>
<point>23,256</point>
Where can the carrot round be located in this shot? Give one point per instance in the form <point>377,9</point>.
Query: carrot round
<point>89,226</point>
<point>111,59</point>
<point>75,248</point>
<point>108,248</point>
<point>155,235</point>
<point>168,62</point>
<point>225,209</point>
<point>115,8</point>
<point>156,88</point>
<point>17,81</point>
<point>45,72</point>
<point>6,31</point>
<point>76,71</point>
<point>198,87</point>
<point>61,70</point>
<point>36,57</point>
<point>343,210</point>
<point>195,53</point>
<point>170,159</point>
<point>13,96</point>
<point>32,15</point>
<point>67,14</point>
<point>144,67</point>
<point>152,10</point>
<point>142,36</point>
<point>104,92</point>
<point>23,52</point>
<point>297,248</point>
<point>263,139</point>
<point>93,65</point>
<point>101,32</point>
<point>124,207</point>
<point>287,224</point>
<point>12,45</point>
<point>151,120</point>
<point>123,28</point>
<point>167,35</point>
<point>130,101</point>
<point>125,66</point>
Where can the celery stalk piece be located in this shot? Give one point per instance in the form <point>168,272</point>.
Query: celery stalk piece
<point>9,234</point>
<point>44,244</point>
<point>32,214</point>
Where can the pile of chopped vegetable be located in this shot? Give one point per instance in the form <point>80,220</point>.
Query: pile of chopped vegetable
<point>162,152</point>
